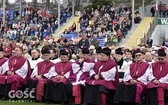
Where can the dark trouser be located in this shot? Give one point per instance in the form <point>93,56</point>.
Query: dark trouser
<point>58,92</point>
<point>4,90</point>
<point>31,86</point>
<point>151,97</point>
<point>92,95</point>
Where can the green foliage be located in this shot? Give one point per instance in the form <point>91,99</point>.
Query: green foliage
<point>94,3</point>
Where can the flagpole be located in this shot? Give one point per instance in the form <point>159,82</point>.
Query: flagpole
<point>133,14</point>
<point>143,8</point>
<point>156,9</point>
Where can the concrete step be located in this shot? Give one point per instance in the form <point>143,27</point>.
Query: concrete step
<point>124,40</point>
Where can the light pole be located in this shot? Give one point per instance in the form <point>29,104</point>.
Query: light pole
<point>20,9</point>
<point>133,14</point>
<point>73,7</point>
<point>58,14</point>
<point>143,8</point>
<point>4,12</point>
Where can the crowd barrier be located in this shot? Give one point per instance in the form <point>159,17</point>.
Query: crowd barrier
<point>75,36</point>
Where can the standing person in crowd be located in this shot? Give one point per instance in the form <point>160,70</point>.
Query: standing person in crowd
<point>38,78</point>
<point>157,88</point>
<point>36,58</point>
<point>81,70</point>
<point>103,80</point>
<point>135,79</point>
<point>149,42</point>
<point>2,59</point>
<point>152,10</point>
<point>84,42</point>
<point>160,6</point>
<point>16,71</point>
<point>59,88</point>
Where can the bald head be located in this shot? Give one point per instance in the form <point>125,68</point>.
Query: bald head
<point>148,57</point>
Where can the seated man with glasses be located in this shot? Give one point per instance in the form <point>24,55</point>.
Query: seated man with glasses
<point>156,90</point>
<point>135,79</point>
<point>15,73</point>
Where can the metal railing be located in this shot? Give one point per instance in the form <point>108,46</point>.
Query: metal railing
<point>152,26</point>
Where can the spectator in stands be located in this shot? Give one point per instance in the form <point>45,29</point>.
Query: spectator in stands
<point>152,10</point>
<point>137,17</point>
<point>164,8</point>
<point>95,41</point>
<point>84,42</point>
<point>160,8</point>
<point>74,27</point>
<point>7,49</point>
<point>66,31</point>
<point>165,43</point>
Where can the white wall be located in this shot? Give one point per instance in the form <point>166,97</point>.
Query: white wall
<point>159,34</point>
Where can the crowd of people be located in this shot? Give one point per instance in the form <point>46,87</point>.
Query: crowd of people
<point>40,22</point>
<point>68,72</point>
<point>109,22</point>
<point>162,10</point>
<point>100,76</point>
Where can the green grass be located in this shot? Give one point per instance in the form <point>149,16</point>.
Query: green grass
<point>18,102</point>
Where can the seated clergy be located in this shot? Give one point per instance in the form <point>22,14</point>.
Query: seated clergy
<point>16,71</point>
<point>38,79</point>
<point>101,85</point>
<point>59,88</point>
<point>134,81</point>
<point>35,54</point>
<point>81,71</point>
<point>2,59</point>
<point>157,89</point>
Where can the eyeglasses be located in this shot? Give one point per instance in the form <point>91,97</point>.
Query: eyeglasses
<point>138,55</point>
<point>161,59</point>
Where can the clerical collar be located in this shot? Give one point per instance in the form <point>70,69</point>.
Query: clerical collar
<point>35,58</point>
<point>53,58</point>
<point>127,60</point>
